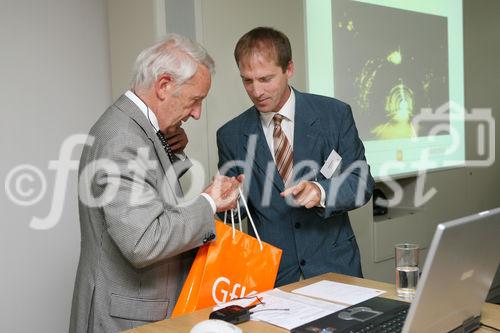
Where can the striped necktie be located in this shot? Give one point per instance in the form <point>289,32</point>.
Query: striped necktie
<point>283,153</point>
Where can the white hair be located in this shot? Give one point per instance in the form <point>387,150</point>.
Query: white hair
<point>175,55</point>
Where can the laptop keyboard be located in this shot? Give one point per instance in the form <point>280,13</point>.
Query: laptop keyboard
<point>394,324</point>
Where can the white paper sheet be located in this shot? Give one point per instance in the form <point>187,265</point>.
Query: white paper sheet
<point>338,292</point>
<point>287,310</point>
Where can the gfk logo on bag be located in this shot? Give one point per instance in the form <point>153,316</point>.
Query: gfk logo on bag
<point>222,286</point>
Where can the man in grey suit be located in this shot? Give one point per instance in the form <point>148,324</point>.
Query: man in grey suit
<point>308,167</point>
<point>138,238</point>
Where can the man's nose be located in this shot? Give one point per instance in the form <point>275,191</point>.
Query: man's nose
<point>257,90</point>
<point>196,113</point>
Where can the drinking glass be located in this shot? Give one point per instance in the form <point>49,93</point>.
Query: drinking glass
<point>407,271</point>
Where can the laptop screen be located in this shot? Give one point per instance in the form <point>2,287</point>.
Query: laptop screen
<point>458,272</point>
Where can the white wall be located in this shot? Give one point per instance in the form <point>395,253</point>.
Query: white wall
<point>132,27</point>
<point>55,82</point>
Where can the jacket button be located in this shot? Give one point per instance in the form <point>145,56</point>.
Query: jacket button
<point>302,262</point>
<point>297,225</point>
<point>208,238</point>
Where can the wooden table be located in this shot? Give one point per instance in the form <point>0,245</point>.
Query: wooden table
<point>490,313</point>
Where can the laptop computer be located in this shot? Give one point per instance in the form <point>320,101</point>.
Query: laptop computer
<point>461,263</point>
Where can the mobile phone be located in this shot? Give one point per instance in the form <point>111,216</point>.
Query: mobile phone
<point>234,314</point>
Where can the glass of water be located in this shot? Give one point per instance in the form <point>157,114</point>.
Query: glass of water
<point>407,271</point>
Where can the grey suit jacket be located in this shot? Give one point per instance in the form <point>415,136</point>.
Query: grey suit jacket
<point>137,242</point>
<point>314,241</point>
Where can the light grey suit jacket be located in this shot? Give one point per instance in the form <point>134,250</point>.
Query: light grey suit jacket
<point>137,245</point>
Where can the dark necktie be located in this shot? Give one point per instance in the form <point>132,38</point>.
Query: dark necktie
<point>180,168</point>
<point>166,146</point>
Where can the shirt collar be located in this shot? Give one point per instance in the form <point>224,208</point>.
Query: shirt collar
<point>287,110</point>
<point>144,109</point>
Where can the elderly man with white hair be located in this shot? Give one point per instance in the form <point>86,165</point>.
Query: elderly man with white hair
<point>138,237</point>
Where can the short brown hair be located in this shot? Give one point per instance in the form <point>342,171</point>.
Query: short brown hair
<point>267,41</point>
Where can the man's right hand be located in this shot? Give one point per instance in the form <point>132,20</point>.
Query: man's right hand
<point>176,138</point>
<point>224,191</point>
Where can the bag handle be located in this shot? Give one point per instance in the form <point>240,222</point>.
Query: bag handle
<point>232,218</point>
<point>242,197</point>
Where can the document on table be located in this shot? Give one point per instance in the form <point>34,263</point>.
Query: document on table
<point>338,292</point>
<point>286,310</point>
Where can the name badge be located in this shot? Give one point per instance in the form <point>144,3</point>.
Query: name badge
<point>331,164</point>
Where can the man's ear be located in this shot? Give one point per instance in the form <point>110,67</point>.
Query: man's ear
<point>290,69</point>
<point>164,86</point>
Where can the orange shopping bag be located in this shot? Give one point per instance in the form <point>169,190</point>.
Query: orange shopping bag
<point>234,265</point>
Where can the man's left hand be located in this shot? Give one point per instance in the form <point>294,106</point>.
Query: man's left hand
<point>305,194</point>
<point>177,138</point>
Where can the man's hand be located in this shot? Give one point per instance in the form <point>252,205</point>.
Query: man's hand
<point>305,194</point>
<point>176,138</point>
<point>224,191</point>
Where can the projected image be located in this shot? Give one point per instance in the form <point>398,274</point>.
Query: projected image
<point>389,64</point>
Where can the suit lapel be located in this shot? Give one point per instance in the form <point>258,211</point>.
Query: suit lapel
<point>263,158</point>
<point>306,133</point>
<point>129,108</point>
